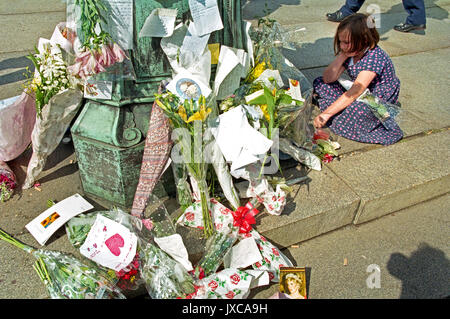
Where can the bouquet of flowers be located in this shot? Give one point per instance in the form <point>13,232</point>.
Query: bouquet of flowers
<point>98,50</point>
<point>164,277</point>
<point>65,277</point>
<point>189,122</point>
<point>78,228</point>
<point>324,148</point>
<point>381,109</point>
<point>7,182</point>
<point>50,77</point>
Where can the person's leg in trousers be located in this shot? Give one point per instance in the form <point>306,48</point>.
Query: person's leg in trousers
<point>350,7</point>
<point>416,19</point>
<point>416,12</point>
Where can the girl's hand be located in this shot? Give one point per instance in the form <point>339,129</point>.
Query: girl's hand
<point>321,120</point>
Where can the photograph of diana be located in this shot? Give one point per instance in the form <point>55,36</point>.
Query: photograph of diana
<point>292,284</point>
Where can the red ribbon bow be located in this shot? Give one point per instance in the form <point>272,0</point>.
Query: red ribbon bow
<point>244,217</point>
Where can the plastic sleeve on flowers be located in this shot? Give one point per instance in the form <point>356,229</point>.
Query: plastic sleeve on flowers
<point>164,277</point>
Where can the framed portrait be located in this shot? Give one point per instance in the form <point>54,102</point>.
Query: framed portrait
<point>293,282</point>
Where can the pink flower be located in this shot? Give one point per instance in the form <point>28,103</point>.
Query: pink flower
<point>327,158</point>
<point>119,53</point>
<point>107,57</point>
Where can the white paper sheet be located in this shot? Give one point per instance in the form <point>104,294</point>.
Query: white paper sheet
<point>44,225</point>
<point>233,65</point>
<point>199,65</point>
<point>295,90</point>
<point>260,278</point>
<point>174,246</point>
<point>110,244</point>
<point>206,16</point>
<point>193,42</point>
<point>119,20</point>
<point>239,142</point>
<point>160,23</point>
<point>243,254</point>
<point>249,42</point>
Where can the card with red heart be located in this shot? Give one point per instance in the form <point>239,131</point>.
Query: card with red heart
<point>110,244</point>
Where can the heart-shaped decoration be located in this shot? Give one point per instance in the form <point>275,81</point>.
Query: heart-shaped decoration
<point>114,243</point>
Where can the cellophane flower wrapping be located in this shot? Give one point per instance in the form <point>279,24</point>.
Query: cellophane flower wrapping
<point>98,53</point>
<point>299,129</point>
<point>188,120</point>
<point>66,277</point>
<point>382,110</point>
<point>216,248</point>
<point>164,277</point>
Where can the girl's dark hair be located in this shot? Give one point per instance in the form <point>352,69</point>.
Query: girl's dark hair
<point>363,33</point>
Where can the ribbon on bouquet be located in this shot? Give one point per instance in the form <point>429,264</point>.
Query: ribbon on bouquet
<point>244,217</point>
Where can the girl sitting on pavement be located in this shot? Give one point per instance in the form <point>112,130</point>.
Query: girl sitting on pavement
<point>357,52</point>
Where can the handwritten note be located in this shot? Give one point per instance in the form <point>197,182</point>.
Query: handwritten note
<point>206,16</point>
<point>119,19</point>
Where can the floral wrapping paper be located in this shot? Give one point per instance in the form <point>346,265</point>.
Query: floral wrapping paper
<point>271,257</point>
<point>226,284</point>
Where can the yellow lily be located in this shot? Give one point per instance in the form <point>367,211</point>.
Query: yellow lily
<point>182,113</point>
<point>201,115</point>
<point>265,112</point>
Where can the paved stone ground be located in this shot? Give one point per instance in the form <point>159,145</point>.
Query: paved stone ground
<point>337,214</point>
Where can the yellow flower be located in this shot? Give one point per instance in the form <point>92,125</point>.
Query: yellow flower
<point>257,71</point>
<point>161,105</point>
<point>265,112</point>
<point>182,112</point>
<point>201,115</point>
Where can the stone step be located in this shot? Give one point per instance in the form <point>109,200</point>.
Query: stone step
<point>362,187</point>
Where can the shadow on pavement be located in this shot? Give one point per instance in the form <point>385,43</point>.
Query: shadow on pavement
<point>424,275</point>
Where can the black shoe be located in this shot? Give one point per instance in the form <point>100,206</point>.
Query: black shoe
<point>337,16</point>
<point>404,27</point>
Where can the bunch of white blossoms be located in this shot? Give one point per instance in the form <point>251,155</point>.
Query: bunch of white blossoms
<point>52,68</point>
<point>51,76</point>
